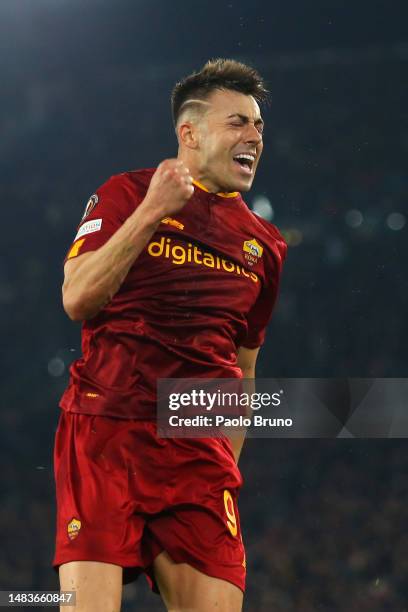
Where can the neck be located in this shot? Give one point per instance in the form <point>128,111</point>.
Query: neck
<point>207,183</point>
<point>199,175</point>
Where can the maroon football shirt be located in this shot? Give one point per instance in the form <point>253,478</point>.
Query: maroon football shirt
<point>204,285</point>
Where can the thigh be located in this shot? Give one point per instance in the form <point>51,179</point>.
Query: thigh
<point>97,517</point>
<point>97,586</point>
<point>183,588</point>
<point>205,536</point>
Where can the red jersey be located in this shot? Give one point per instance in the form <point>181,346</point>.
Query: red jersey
<point>204,285</point>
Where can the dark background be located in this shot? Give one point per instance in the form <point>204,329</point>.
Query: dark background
<point>85,88</point>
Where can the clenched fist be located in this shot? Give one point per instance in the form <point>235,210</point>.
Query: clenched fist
<point>170,188</point>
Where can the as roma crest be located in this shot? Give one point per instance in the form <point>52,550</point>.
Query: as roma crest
<point>73,528</point>
<point>252,251</point>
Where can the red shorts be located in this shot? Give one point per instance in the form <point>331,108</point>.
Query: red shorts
<point>124,495</point>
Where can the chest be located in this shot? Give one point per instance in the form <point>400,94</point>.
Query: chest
<point>206,257</point>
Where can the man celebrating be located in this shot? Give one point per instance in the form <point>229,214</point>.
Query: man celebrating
<point>173,277</point>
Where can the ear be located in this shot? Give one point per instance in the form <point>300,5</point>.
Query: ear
<point>188,135</point>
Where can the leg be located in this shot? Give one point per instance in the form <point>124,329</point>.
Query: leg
<point>98,586</point>
<point>185,589</point>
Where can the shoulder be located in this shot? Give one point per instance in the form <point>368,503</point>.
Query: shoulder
<point>136,181</point>
<point>273,235</point>
<point>267,233</point>
<point>125,191</point>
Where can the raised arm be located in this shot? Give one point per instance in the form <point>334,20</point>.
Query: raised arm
<point>92,279</point>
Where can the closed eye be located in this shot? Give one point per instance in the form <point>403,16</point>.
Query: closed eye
<point>259,126</point>
<point>240,120</point>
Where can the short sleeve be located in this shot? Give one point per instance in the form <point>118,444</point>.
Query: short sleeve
<point>261,313</point>
<point>105,212</point>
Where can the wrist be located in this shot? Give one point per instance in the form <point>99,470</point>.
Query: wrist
<point>150,214</point>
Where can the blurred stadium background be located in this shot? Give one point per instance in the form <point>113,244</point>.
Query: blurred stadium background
<point>84,95</point>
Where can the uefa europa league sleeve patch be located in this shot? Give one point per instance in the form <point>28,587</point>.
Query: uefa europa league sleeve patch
<point>92,202</point>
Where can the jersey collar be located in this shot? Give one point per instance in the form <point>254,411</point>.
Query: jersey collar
<point>233,194</point>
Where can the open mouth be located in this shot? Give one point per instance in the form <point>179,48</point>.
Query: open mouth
<point>245,163</point>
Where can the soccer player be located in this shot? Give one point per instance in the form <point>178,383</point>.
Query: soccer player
<point>173,277</point>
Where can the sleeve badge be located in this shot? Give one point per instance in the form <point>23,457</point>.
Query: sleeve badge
<point>92,202</point>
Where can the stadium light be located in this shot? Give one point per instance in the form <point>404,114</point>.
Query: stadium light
<point>354,218</point>
<point>262,207</point>
<point>396,221</point>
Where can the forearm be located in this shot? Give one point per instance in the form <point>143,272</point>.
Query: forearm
<point>237,438</point>
<point>237,442</point>
<point>94,283</point>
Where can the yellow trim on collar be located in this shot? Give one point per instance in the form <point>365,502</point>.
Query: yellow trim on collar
<point>233,194</point>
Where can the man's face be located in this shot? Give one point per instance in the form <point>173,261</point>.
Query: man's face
<point>230,129</point>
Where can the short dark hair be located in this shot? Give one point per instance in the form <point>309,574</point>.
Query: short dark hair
<point>218,74</point>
